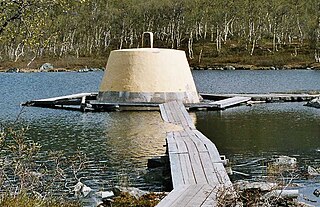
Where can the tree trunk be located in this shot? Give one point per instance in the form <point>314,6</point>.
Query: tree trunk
<point>190,50</point>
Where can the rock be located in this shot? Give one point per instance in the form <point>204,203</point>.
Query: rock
<point>81,189</point>
<point>272,68</point>
<point>229,67</point>
<point>313,172</point>
<point>282,193</point>
<point>135,192</point>
<point>314,103</point>
<point>83,70</point>
<point>46,67</point>
<point>105,194</point>
<point>262,186</point>
<point>285,160</point>
<point>13,70</point>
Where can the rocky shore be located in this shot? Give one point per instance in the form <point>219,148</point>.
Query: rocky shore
<point>314,103</point>
<point>216,67</point>
<point>254,67</point>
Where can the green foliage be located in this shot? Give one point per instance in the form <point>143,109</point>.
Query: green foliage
<point>32,29</point>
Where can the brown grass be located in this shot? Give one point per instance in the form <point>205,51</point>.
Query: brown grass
<point>24,200</point>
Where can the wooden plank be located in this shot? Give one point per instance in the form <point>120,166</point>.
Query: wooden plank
<point>199,144</point>
<point>182,120</point>
<point>196,164</point>
<point>211,199</point>
<point>201,196</point>
<point>172,145</point>
<point>230,101</point>
<point>186,169</point>
<point>172,197</point>
<point>176,170</point>
<point>187,196</point>
<point>264,97</point>
<point>186,115</point>
<point>169,113</point>
<point>184,158</point>
<point>219,169</point>
<point>163,113</point>
<point>182,148</point>
<point>214,154</point>
<point>209,170</point>
<point>73,96</point>
<point>174,113</point>
<point>222,174</point>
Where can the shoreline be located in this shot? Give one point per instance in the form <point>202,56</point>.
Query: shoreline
<point>219,67</point>
<point>228,62</point>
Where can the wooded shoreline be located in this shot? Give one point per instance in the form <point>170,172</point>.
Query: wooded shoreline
<point>214,34</point>
<point>86,64</point>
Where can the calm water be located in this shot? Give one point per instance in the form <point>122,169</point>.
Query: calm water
<point>118,145</point>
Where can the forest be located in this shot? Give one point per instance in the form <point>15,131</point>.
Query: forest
<point>257,32</point>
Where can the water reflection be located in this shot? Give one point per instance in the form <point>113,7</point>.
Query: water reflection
<point>282,128</point>
<point>133,136</point>
<point>114,143</point>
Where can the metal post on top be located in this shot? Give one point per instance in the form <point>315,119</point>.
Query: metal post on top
<point>147,39</point>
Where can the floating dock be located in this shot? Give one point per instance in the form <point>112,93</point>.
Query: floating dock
<point>72,102</point>
<point>198,175</point>
<point>89,102</point>
<point>267,97</point>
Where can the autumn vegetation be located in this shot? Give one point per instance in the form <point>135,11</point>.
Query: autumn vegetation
<point>245,32</point>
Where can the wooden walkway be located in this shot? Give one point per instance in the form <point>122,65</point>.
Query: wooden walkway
<point>228,102</point>
<point>198,175</point>
<point>268,97</point>
<point>71,102</point>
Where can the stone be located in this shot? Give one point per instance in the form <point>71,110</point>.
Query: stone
<point>13,70</point>
<point>262,186</point>
<point>135,192</point>
<point>230,67</point>
<point>46,67</point>
<point>285,160</point>
<point>105,194</point>
<point>281,194</point>
<point>272,68</point>
<point>313,171</point>
<point>314,103</point>
<point>81,190</point>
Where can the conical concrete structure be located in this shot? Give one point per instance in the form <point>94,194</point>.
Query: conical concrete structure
<point>147,75</point>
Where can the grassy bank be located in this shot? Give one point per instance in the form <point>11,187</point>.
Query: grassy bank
<point>32,201</point>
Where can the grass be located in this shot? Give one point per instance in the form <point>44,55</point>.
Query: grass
<point>147,200</point>
<point>22,199</point>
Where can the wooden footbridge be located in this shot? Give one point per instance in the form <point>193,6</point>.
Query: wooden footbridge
<point>198,175</point>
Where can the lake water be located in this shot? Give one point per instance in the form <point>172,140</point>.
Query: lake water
<point>118,144</point>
